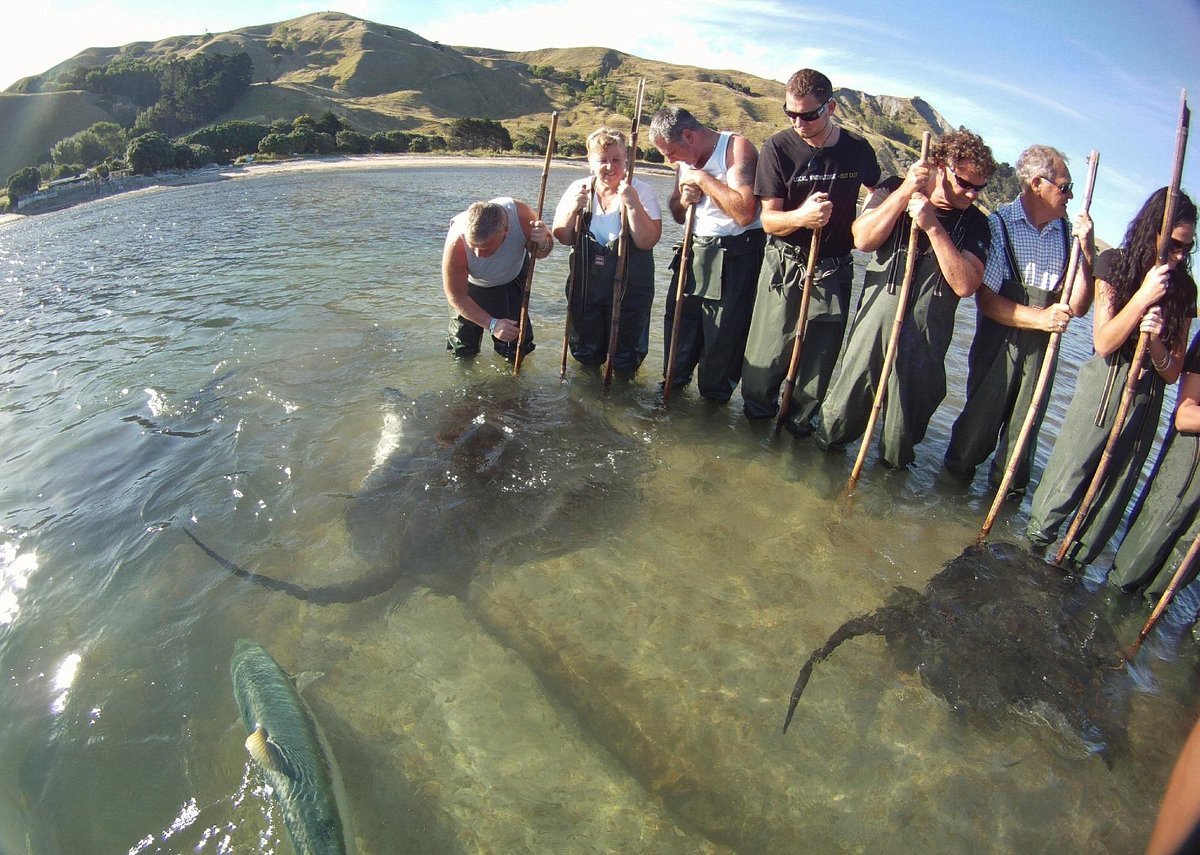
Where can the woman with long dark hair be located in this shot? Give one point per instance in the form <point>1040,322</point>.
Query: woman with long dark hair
<point>1134,294</point>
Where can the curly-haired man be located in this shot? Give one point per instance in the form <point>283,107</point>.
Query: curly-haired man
<point>937,196</point>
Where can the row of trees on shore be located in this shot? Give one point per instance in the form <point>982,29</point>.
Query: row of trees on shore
<point>106,147</point>
<point>159,103</point>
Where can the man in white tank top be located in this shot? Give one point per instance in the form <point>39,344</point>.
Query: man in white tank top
<point>715,172</point>
<point>483,273</point>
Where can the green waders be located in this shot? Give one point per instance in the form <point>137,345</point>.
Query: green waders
<point>464,337</point>
<point>1165,523</point>
<point>592,301</point>
<point>717,307</point>
<point>918,380</point>
<point>773,331</point>
<point>1003,369</point>
<point>1078,451</point>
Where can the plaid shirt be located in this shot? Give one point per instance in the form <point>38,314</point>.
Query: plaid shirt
<point>1040,253</point>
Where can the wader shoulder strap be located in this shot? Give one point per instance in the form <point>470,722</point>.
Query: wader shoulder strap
<point>1013,267</point>
<point>1066,254</point>
<point>958,235</point>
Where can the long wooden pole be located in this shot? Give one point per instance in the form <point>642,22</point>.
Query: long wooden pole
<point>1137,365</point>
<point>623,242</point>
<point>1165,599</point>
<point>578,263</point>
<point>889,359</point>
<point>1042,387</point>
<point>789,383</point>
<point>680,286</point>
<point>524,324</point>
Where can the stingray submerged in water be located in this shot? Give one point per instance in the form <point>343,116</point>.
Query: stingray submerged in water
<point>465,476</point>
<point>999,632</point>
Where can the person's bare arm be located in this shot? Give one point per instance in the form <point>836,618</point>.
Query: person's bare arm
<point>454,284</point>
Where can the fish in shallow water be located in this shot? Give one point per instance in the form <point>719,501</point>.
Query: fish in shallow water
<point>468,475</point>
<point>288,745</point>
<point>997,632</point>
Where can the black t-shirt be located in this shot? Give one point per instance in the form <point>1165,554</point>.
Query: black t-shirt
<point>1191,362</point>
<point>788,170</point>
<point>1105,262</point>
<point>968,228</point>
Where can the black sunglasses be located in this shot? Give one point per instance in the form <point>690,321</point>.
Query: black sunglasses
<point>964,183</point>
<point>807,115</point>
<point>1062,188</point>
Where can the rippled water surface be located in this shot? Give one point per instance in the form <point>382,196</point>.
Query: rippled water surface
<point>609,671</point>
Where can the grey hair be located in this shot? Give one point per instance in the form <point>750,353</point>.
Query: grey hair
<point>669,123</point>
<point>1037,161</point>
<point>484,220</point>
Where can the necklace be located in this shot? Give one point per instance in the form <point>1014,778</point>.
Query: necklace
<point>830,127</point>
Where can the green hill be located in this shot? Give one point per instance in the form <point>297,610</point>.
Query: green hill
<point>379,77</point>
<point>30,124</point>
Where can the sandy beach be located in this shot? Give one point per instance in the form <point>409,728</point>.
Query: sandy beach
<point>162,181</point>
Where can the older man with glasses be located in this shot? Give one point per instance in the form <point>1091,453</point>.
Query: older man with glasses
<point>808,178</point>
<point>937,197</point>
<point>1017,311</point>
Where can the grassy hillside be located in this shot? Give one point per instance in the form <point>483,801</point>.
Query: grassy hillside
<point>380,78</point>
<point>31,124</point>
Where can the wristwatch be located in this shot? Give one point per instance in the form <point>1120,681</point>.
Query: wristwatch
<point>492,325</point>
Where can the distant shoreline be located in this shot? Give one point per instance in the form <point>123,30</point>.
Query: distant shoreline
<point>163,181</point>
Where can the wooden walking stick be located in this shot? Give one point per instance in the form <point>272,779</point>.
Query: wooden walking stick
<point>680,286</point>
<point>889,359</point>
<point>529,273</point>
<point>623,242</point>
<point>1165,599</point>
<point>1143,343</point>
<point>789,384</point>
<point>578,262</point>
<point>1042,387</point>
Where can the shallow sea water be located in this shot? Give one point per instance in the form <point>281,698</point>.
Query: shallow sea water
<point>219,357</point>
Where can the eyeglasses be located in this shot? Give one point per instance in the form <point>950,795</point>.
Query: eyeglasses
<point>807,115</point>
<point>1064,188</point>
<point>963,183</point>
<point>1182,248</point>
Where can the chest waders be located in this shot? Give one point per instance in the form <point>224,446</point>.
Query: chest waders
<point>591,298</point>
<point>1003,368</point>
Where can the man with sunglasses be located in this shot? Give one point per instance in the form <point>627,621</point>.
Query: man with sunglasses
<point>1017,311</point>
<point>937,197</point>
<point>808,178</point>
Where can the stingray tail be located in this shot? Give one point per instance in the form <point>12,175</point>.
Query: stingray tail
<point>349,592</point>
<point>294,590</point>
<point>861,625</point>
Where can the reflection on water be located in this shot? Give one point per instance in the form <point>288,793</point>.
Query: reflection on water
<point>614,673</point>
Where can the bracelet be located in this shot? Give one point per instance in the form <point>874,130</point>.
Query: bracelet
<point>492,326</point>
<point>1166,363</point>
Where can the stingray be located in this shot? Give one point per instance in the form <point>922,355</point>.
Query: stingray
<point>469,476</point>
<point>999,632</point>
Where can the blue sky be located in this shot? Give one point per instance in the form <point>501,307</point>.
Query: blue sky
<point>1072,74</point>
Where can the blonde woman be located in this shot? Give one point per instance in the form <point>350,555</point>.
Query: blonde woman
<point>588,219</point>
